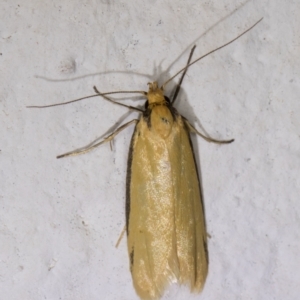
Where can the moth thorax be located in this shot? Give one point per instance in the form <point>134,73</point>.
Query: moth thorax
<point>161,120</point>
<point>155,94</point>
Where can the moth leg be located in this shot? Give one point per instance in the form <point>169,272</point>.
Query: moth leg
<point>115,102</point>
<point>208,139</point>
<point>183,74</point>
<point>121,236</point>
<point>107,139</point>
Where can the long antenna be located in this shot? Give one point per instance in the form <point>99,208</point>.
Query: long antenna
<point>183,69</point>
<point>91,96</point>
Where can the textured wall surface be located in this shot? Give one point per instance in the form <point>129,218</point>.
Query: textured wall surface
<point>60,219</point>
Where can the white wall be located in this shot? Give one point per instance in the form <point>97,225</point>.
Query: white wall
<point>60,219</point>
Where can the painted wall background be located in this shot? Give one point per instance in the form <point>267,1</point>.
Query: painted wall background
<point>60,219</point>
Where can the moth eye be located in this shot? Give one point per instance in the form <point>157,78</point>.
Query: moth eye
<point>167,99</point>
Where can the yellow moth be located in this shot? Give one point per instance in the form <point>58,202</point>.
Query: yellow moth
<point>166,233</point>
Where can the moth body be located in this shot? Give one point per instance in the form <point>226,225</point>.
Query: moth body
<point>165,224</point>
<point>166,233</point>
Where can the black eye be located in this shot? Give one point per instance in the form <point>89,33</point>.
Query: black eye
<point>167,99</point>
<point>146,104</point>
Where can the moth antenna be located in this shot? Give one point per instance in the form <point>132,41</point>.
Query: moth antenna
<point>124,92</point>
<point>183,69</point>
<point>91,96</point>
<point>62,103</point>
<point>182,76</point>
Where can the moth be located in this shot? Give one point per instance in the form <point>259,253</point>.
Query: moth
<point>165,225</point>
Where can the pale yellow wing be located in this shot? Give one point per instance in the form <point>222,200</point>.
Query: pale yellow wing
<point>165,224</point>
<point>191,235</point>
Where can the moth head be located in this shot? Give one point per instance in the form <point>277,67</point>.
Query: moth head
<point>155,94</point>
